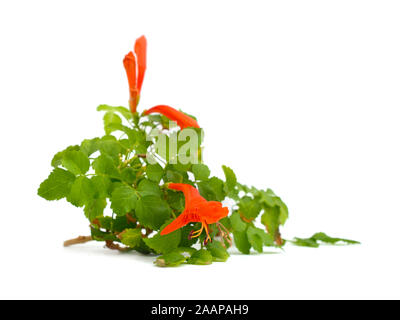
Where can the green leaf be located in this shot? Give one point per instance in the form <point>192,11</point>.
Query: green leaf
<point>201,257</point>
<point>104,164</point>
<point>149,188</point>
<point>99,235</point>
<point>172,259</point>
<point>152,211</point>
<point>186,251</point>
<point>270,219</point>
<point>249,208</point>
<point>140,142</point>
<point>123,200</point>
<point>318,238</point>
<point>270,199</point>
<point>212,189</point>
<point>82,190</point>
<point>166,243</point>
<point>258,238</point>
<point>76,161</point>
<point>130,133</point>
<point>90,146</point>
<point>311,243</point>
<point>120,223</point>
<point>200,171</point>
<point>218,252</point>
<point>241,241</point>
<point>237,223</point>
<point>154,172</point>
<point>129,175</point>
<point>109,145</point>
<point>94,208</point>
<point>187,241</point>
<point>105,223</point>
<point>57,185</point>
<point>57,159</point>
<point>101,186</point>
<point>176,200</point>
<point>125,112</point>
<point>230,180</point>
<point>267,198</point>
<point>131,237</point>
<point>173,176</point>
<point>109,119</point>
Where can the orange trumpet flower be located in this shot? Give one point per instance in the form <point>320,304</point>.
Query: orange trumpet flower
<point>197,209</point>
<point>135,67</point>
<point>183,120</point>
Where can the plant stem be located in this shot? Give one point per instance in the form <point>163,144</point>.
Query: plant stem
<point>79,240</point>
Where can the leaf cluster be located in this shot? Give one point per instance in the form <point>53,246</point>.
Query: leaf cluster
<point>125,197</point>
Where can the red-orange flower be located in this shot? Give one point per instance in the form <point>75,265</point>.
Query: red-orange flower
<point>197,209</point>
<point>183,120</point>
<point>135,67</point>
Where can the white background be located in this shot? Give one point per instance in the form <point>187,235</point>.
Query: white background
<point>299,96</point>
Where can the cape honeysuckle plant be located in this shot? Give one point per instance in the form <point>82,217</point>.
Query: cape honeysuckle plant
<point>143,186</point>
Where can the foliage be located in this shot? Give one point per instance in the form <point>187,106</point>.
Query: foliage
<point>125,196</point>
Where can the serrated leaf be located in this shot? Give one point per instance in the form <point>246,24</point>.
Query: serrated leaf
<point>140,142</point>
<point>149,188</point>
<point>109,119</point>
<point>218,252</point>
<point>212,189</point>
<point>152,211</point>
<point>258,238</point>
<point>131,237</point>
<point>109,145</point>
<point>123,200</point>
<point>166,243</point>
<point>57,159</point>
<point>249,208</point>
<point>125,112</point>
<point>130,133</point>
<point>154,172</point>
<point>76,162</point>
<point>270,199</point>
<point>101,186</point>
<point>57,185</point>
<point>90,146</point>
<point>105,164</point>
<point>94,208</point>
<point>129,175</point>
<point>200,171</point>
<point>201,257</point>
<point>82,190</point>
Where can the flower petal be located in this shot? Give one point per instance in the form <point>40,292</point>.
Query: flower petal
<point>183,120</point>
<point>179,222</point>
<point>140,50</point>
<point>130,68</point>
